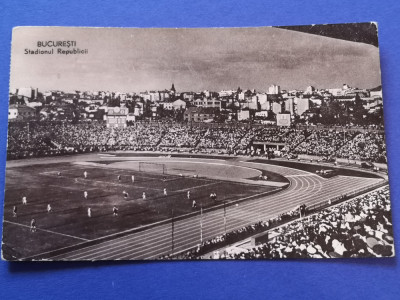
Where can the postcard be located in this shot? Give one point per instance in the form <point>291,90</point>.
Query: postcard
<point>196,143</point>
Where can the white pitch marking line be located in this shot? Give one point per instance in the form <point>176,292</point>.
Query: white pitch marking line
<point>302,175</point>
<point>302,185</point>
<point>198,186</point>
<point>123,240</point>
<point>307,180</point>
<point>46,230</point>
<point>213,163</point>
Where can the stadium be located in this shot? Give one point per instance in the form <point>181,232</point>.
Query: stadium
<point>184,191</point>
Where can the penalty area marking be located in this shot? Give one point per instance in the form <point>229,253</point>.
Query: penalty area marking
<point>198,186</point>
<point>212,163</point>
<point>50,231</point>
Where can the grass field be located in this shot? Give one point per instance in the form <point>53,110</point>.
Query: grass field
<point>68,223</point>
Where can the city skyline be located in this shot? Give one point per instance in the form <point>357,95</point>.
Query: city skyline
<point>160,90</point>
<point>136,60</point>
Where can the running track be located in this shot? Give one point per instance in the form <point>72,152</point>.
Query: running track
<point>305,188</point>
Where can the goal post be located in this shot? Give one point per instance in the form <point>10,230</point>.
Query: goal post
<point>152,167</point>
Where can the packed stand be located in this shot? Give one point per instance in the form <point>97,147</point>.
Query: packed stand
<point>369,146</point>
<point>181,136</point>
<point>136,137</point>
<point>359,228</point>
<point>323,142</point>
<point>25,139</point>
<point>227,138</point>
<point>78,136</point>
<point>288,136</point>
<point>234,236</point>
<point>56,138</point>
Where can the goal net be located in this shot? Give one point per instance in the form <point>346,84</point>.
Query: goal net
<point>152,167</point>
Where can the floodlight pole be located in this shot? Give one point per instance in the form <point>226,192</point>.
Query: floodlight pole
<point>29,139</point>
<point>344,136</point>
<point>172,230</point>
<point>201,221</point>
<point>224,217</point>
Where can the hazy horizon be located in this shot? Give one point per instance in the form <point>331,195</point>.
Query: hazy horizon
<point>195,59</point>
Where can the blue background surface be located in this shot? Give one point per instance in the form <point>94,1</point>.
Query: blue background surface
<point>334,279</point>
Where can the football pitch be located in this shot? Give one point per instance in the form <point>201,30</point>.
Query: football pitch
<point>63,186</point>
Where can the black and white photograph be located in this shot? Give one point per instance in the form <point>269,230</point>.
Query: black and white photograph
<point>196,144</point>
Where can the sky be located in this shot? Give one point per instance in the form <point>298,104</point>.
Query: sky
<point>134,60</point>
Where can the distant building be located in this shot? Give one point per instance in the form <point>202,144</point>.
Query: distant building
<point>243,115</point>
<point>303,104</point>
<point>346,86</point>
<point>167,105</point>
<point>172,91</point>
<point>289,105</point>
<point>12,112</point>
<point>376,92</point>
<point>117,117</point>
<point>204,102</point>
<point>274,90</point>
<point>28,92</point>
<point>98,101</point>
<point>165,95</point>
<point>265,106</point>
<point>138,110</point>
<point>179,104</point>
<point>276,108</point>
<point>188,96</point>
<point>336,92</point>
<point>309,90</point>
<point>262,98</point>
<point>34,104</point>
<point>354,92</point>
<point>226,93</point>
<point>207,93</point>
<point>316,101</point>
<point>262,113</point>
<point>87,101</point>
<point>371,103</point>
<point>199,114</point>
<point>154,96</point>
<point>251,104</point>
<point>145,96</point>
<point>21,112</point>
<point>154,110</point>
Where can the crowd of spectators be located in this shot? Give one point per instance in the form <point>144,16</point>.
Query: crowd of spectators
<point>23,137</point>
<point>219,241</point>
<point>56,138</point>
<point>137,135</point>
<point>369,146</point>
<point>323,142</point>
<point>294,137</point>
<point>222,138</point>
<point>358,228</point>
<point>76,136</point>
<point>276,135</point>
<point>234,236</point>
<point>182,136</point>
